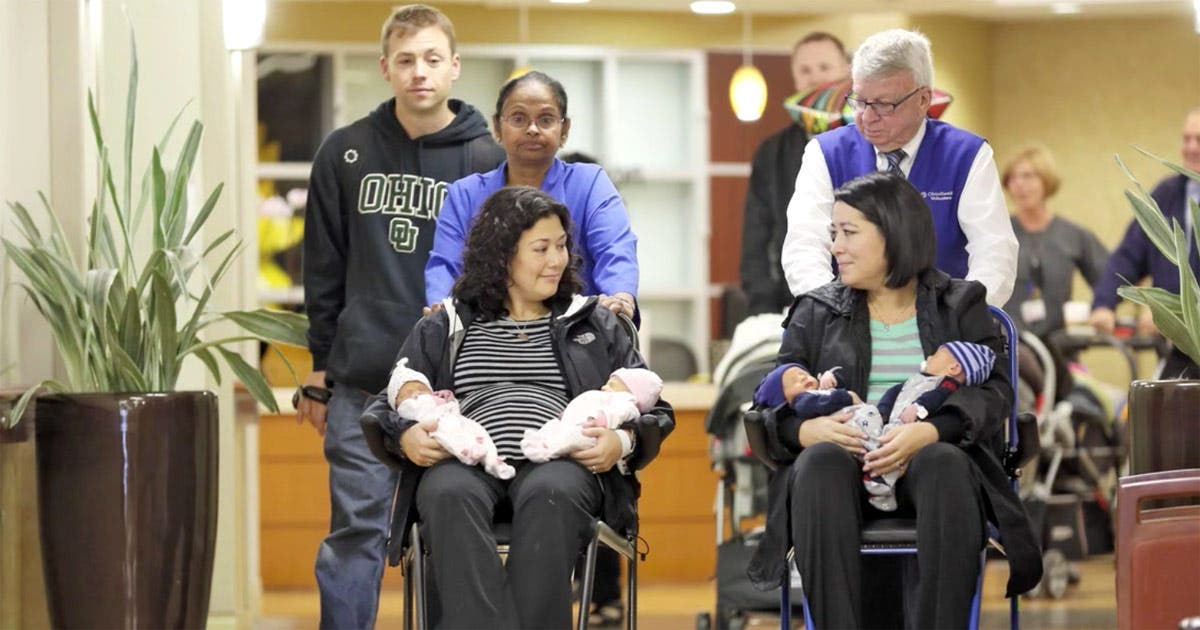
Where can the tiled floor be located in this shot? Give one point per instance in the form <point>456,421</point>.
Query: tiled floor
<point>1090,604</point>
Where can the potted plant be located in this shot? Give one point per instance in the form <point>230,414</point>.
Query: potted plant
<point>1164,415</point>
<point>127,467</point>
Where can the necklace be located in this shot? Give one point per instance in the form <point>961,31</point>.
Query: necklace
<point>521,327</point>
<point>887,320</point>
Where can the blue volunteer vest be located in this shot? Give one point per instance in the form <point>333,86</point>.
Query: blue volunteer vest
<point>939,171</point>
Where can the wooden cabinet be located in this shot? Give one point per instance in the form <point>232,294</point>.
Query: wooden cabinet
<point>293,503</point>
<point>676,507</point>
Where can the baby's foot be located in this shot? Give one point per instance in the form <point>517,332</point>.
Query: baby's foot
<point>499,469</point>
<point>876,486</point>
<point>535,449</point>
<point>478,449</point>
<point>884,503</point>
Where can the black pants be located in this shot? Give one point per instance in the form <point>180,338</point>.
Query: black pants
<point>827,509</point>
<point>1179,365</point>
<point>552,504</point>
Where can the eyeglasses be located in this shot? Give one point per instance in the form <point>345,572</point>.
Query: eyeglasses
<point>880,108</point>
<point>545,122</point>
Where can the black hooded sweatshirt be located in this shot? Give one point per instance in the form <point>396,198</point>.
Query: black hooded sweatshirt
<point>373,201</point>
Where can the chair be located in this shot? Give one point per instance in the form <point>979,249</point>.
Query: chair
<point>897,536</point>
<point>1157,550</point>
<point>673,360</point>
<point>413,557</point>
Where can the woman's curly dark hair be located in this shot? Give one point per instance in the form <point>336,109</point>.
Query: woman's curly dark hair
<point>506,214</point>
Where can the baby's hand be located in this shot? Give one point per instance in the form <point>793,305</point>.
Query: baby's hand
<point>909,415</point>
<point>854,398</point>
<point>828,379</point>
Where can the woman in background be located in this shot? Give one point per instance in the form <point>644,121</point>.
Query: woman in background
<point>1052,248</point>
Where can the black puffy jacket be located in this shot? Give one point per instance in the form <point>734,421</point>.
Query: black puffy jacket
<point>590,343</point>
<point>830,327</point>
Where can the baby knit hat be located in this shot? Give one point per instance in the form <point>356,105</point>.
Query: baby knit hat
<point>402,374</point>
<point>976,360</point>
<point>643,384</point>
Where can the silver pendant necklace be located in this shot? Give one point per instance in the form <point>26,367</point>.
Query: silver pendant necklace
<point>521,334</point>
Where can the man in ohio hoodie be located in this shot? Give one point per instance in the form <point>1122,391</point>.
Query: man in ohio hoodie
<point>374,195</point>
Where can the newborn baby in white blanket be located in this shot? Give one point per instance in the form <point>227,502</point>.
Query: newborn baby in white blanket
<point>628,393</point>
<point>438,413</point>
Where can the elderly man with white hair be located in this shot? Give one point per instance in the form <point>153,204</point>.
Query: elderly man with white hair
<point>954,170</point>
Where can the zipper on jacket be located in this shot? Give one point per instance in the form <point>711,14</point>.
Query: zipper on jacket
<point>557,343</point>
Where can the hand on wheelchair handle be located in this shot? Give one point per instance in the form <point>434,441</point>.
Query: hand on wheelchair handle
<point>621,303</point>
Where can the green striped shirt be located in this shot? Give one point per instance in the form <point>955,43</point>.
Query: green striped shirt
<point>896,354</point>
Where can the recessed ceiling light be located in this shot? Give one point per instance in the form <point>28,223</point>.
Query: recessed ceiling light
<point>569,1</point>
<point>1065,8</point>
<point>713,7</point>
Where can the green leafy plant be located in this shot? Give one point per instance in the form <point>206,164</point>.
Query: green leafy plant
<point>1176,315</point>
<point>125,320</point>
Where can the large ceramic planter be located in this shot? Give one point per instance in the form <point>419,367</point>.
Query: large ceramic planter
<point>127,494</point>
<point>1164,425</point>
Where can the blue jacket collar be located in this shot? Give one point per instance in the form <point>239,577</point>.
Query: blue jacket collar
<point>497,177</point>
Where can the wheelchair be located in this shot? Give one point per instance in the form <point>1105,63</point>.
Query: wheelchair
<point>896,536</point>
<point>412,556</point>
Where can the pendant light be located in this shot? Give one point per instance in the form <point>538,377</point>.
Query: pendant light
<point>747,88</point>
<point>242,23</point>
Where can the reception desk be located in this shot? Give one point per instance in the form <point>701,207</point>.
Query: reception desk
<point>678,489</point>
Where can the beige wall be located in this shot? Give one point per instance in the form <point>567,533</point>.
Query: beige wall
<point>962,64</point>
<point>359,22</point>
<point>316,21</point>
<point>1088,90</point>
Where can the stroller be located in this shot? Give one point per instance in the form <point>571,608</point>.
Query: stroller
<point>1069,489</point>
<point>742,490</point>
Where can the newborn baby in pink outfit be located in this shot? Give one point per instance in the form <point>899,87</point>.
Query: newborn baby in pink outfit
<point>628,394</point>
<point>437,412</point>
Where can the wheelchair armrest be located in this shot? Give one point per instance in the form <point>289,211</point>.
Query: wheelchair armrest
<point>375,436</point>
<point>758,423</point>
<point>1027,447</point>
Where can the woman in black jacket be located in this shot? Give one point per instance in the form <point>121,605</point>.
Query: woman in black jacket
<point>889,309</point>
<point>515,344</point>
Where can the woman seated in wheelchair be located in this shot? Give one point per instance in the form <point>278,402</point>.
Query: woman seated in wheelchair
<point>887,310</point>
<point>515,344</point>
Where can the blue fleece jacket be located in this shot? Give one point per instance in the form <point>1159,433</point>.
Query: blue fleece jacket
<point>603,239</point>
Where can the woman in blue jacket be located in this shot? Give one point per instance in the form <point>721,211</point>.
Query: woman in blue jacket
<point>531,123</point>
